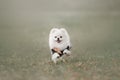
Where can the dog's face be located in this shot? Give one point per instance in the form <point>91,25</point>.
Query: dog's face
<point>58,35</point>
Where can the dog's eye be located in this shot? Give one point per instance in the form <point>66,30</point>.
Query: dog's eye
<point>55,36</point>
<point>60,36</point>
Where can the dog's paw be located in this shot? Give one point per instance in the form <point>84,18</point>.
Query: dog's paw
<point>55,57</point>
<point>66,52</point>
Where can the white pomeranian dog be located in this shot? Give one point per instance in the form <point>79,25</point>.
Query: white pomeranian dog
<point>59,43</point>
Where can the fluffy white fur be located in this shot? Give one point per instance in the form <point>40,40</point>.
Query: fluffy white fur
<point>59,38</point>
<point>55,57</point>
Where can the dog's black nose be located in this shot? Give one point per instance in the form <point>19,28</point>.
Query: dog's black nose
<point>58,39</point>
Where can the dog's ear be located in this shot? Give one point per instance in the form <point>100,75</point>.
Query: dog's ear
<point>53,30</point>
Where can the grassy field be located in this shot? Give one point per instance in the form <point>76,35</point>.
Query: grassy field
<point>24,51</point>
<point>94,33</point>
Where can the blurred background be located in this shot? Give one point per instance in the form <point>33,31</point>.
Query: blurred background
<point>94,28</point>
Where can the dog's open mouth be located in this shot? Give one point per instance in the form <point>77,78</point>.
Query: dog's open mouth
<point>58,41</point>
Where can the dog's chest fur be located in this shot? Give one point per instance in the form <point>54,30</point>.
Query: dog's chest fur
<point>61,45</point>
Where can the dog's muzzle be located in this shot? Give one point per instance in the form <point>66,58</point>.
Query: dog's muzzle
<point>58,40</point>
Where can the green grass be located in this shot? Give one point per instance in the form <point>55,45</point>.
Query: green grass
<point>24,50</point>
